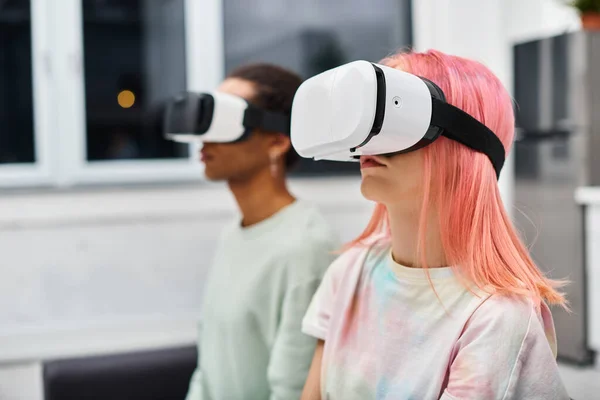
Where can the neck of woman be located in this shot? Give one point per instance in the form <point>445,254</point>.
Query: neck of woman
<point>405,228</point>
<point>261,197</point>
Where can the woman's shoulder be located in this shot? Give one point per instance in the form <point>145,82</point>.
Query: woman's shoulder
<point>513,310</point>
<point>514,315</point>
<point>510,307</point>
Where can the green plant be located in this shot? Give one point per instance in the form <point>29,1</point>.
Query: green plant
<point>586,6</point>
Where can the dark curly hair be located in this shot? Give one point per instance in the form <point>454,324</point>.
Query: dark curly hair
<point>275,90</point>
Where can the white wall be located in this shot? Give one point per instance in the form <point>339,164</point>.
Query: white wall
<point>531,19</point>
<point>21,382</point>
<point>101,256</point>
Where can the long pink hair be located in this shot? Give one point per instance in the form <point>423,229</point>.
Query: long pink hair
<point>477,234</point>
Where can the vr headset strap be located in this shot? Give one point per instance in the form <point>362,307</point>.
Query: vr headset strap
<point>255,117</point>
<point>463,128</point>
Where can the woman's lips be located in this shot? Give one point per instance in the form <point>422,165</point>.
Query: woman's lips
<point>204,157</point>
<point>370,162</point>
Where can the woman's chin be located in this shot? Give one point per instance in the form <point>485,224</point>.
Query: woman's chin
<point>372,190</point>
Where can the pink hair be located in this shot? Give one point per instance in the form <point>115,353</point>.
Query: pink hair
<point>476,232</point>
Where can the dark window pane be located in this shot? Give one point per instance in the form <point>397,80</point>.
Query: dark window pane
<point>134,59</point>
<point>310,37</point>
<point>16,88</point>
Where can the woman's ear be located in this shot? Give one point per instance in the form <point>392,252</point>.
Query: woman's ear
<point>279,144</point>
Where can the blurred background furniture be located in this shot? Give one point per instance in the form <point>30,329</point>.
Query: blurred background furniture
<point>150,375</point>
<point>557,91</point>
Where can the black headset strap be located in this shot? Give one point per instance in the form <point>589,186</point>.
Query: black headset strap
<point>463,128</point>
<point>255,117</point>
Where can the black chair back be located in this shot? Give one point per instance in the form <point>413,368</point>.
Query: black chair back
<point>149,375</point>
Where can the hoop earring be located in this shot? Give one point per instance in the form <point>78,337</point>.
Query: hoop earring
<point>274,167</point>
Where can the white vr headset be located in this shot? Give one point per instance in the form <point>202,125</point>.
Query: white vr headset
<point>217,117</point>
<point>362,108</point>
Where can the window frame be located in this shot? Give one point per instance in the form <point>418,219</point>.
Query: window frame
<point>59,101</point>
<point>40,171</point>
<point>200,75</point>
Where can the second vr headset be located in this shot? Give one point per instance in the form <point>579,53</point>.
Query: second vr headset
<point>217,117</point>
<point>362,108</point>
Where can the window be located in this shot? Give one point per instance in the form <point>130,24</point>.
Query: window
<point>134,59</point>
<point>26,119</point>
<point>116,64</point>
<point>82,85</point>
<point>312,37</point>
<point>17,144</point>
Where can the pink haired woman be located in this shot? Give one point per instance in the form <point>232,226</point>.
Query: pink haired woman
<point>438,298</point>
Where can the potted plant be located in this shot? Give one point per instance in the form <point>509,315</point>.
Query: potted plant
<point>590,13</point>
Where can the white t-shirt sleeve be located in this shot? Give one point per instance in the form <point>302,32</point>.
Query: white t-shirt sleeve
<point>316,320</point>
<point>506,352</point>
<point>336,280</point>
<point>336,289</point>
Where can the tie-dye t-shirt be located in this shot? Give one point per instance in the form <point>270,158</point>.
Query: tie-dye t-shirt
<point>387,336</point>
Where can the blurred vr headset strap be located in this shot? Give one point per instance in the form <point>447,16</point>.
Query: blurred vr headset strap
<point>258,118</point>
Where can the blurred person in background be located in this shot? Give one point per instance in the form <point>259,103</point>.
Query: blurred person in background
<point>268,263</point>
<point>438,298</point>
